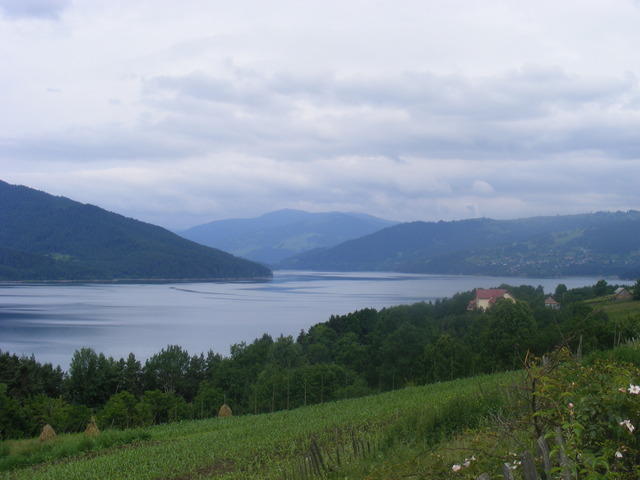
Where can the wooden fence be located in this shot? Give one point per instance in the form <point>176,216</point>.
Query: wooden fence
<point>531,471</point>
<point>318,461</point>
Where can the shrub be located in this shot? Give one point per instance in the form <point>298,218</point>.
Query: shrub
<point>596,406</point>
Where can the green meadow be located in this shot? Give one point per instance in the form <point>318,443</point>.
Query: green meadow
<point>274,446</point>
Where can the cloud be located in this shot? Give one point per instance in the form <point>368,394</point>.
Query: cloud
<point>44,9</point>
<point>482,188</point>
<point>514,114</point>
<point>435,110</point>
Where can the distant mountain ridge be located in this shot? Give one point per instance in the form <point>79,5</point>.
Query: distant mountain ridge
<point>274,236</point>
<point>45,237</point>
<point>605,243</point>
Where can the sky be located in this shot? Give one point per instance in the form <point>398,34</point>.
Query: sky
<point>180,113</point>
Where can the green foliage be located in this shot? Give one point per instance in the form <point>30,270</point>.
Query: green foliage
<point>208,400</point>
<point>600,288</point>
<point>636,290</point>
<point>92,377</point>
<point>509,329</point>
<point>596,406</point>
<point>160,407</point>
<point>57,412</point>
<point>120,411</point>
<point>12,418</point>
<point>25,377</point>
<point>166,370</point>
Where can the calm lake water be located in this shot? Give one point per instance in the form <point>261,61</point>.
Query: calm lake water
<point>52,321</point>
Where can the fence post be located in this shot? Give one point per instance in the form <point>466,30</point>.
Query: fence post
<point>564,461</point>
<point>543,448</point>
<point>529,466</point>
<point>506,472</point>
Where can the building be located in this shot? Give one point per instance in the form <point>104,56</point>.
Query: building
<point>622,294</point>
<point>486,298</point>
<point>551,303</point>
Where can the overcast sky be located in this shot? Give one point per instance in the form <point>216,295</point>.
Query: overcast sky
<point>184,112</point>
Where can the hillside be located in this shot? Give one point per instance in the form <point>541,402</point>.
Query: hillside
<point>427,429</point>
<point>588,244</point>
<point>265,446</point>
<point>274,236</point>
<point>44,237</point>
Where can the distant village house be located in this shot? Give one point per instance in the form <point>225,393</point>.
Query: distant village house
<point>551,303</point>
<point>486,298</point>
<point>622,294</point>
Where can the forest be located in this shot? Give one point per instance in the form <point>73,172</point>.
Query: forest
<point>363,352</point>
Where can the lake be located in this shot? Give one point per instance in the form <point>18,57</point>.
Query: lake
<point>52,321</point>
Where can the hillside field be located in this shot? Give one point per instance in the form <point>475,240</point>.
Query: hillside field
<point>273,446</point>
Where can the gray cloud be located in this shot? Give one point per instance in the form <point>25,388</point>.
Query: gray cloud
<point>519,114</point>
<point>185,114</point>
<point>50,9</point>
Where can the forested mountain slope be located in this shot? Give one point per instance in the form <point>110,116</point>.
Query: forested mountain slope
<point>595,244</point>
<point>277,235</point>
<point>44,237</point>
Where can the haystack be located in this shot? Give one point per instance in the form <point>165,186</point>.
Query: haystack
<point>225,411</point>
<point>47,433</point>
<point>92,429</point>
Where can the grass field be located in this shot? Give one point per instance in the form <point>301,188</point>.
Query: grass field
<point>616,310</point>
<point>620,310</point>
<point>270,446</point>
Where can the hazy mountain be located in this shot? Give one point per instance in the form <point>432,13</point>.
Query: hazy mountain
<point>594,244</point>
<point>277,235</point>
<point>44,237</point>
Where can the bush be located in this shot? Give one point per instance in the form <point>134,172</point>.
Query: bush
<point>597,408</point>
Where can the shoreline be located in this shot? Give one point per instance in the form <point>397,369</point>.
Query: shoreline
<point>139,281</point>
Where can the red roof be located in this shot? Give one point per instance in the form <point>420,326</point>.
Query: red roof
<point>550,301</point>
<point>491,293</point>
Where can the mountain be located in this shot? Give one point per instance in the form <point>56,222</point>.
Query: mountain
<point>277,235</point>
<point>44,237</point>
<point>602,243</point>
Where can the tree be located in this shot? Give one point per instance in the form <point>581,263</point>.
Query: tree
<point>636,290</point>
<point>168,369</point>
<point>120,411</point>
<point>13,423</point>
<point>130,375</point>
<point>92,378</point>
<point>600,288</point>
<point>446,358</point>
<point>561,290</point>
<point>208,400</point>
<point>159,407</point>
<point>508,335</point>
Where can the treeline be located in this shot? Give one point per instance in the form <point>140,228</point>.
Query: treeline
<point>349,355</point>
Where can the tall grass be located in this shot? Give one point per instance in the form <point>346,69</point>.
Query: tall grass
<point>20,453</point>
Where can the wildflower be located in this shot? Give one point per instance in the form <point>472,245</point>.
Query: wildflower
<point>456,468</point>
<point>629,426</point>
<point>622,389</point>
<point>618,454</point>
<point>571,405</point>
<point>514,465</point>
<point>634,389</point>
